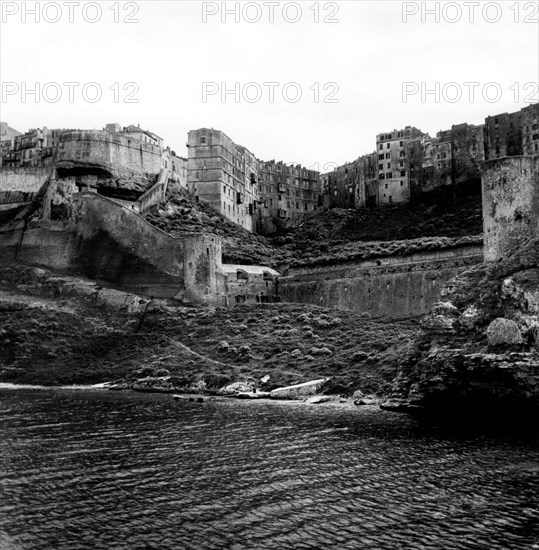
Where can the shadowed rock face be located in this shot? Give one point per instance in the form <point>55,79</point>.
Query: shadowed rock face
<point>113,182</point>
<point>480,347</point>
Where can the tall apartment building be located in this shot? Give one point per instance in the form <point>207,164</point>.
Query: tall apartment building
<point>394,165</point>
<point>287,194</point>
<point>224,175</point>
<point>33,148</point>
<point>512,134</point>
<point>353,184</point>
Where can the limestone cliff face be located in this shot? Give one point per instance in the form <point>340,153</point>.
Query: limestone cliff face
<point>480,346</point>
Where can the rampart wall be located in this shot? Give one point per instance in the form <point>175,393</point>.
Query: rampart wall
<point>89,234</point>
<point>394,286</point>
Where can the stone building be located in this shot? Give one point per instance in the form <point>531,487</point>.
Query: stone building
<point>394,165</point>
<point>453,157</point>
<point>512,134</point>
<point>353,184</point>
<point>31,149</point>
<point>177,166</point>
<point>288,193</point>
<point>224,175</point>
<point>530,130</point>
<point>136,132</point>
<point>7,133</point>
<point>468,146</point>
<point>430,163</point>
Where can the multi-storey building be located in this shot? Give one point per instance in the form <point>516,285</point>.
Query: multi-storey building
<point>287,194</point>
<point>453,157</point>
<point>512,134</point>
<point>353,184</point>
<point>7,133</point>
<point>530,130</point>
<point>394,165</point>
<point>224,175</point>
<point>135,132</point>
<point>33,148</point>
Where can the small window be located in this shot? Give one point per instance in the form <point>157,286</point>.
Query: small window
<point>203,140</point>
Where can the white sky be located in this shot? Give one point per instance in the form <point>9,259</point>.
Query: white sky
<point>171,52</point>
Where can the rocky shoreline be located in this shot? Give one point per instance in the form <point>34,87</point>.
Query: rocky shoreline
<point>476,352</point>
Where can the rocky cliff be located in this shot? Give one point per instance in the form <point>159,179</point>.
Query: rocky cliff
<point>479,348</point>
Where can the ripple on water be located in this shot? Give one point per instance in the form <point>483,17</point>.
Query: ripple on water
<point>139,471</point>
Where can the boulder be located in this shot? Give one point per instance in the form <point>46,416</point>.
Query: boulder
<point>438,324</point>
<point>503,332</point>
<point>444,308</point>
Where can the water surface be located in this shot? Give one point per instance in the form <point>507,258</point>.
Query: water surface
<point>108,470</point>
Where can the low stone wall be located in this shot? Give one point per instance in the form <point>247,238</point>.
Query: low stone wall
<point>394,286</point>
<point>23,180</point>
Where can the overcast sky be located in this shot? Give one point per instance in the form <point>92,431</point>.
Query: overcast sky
<point>360,61</point>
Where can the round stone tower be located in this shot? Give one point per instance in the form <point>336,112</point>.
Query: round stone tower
<point>510,204</point>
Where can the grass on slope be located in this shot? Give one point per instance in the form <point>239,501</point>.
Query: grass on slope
<point>76,340</point>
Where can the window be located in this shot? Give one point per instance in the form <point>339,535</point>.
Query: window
<point>389,175</point>
<point>388,145</point>
<point>388,165</point>
<point>381,146</point>
<point>402,183</point>
<point>380,167</point>
<point>403,173</point>
<point>203,140</point>
<point>381,176</point>
<point>401,143</point>
<point>386,186</point>
<point>388,155</point>
<point>380,157</point>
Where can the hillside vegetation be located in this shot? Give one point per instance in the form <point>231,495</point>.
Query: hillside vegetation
<point>53,336</point>
<point>434,222</point>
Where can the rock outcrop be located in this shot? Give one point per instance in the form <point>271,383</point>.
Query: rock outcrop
<point>479,348</point>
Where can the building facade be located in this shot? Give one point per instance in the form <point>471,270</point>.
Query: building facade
<point>512,134</point>
<point>353,184</point>
<point>288,193</point>
<point>394,184</point>
<point>224,175</point>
